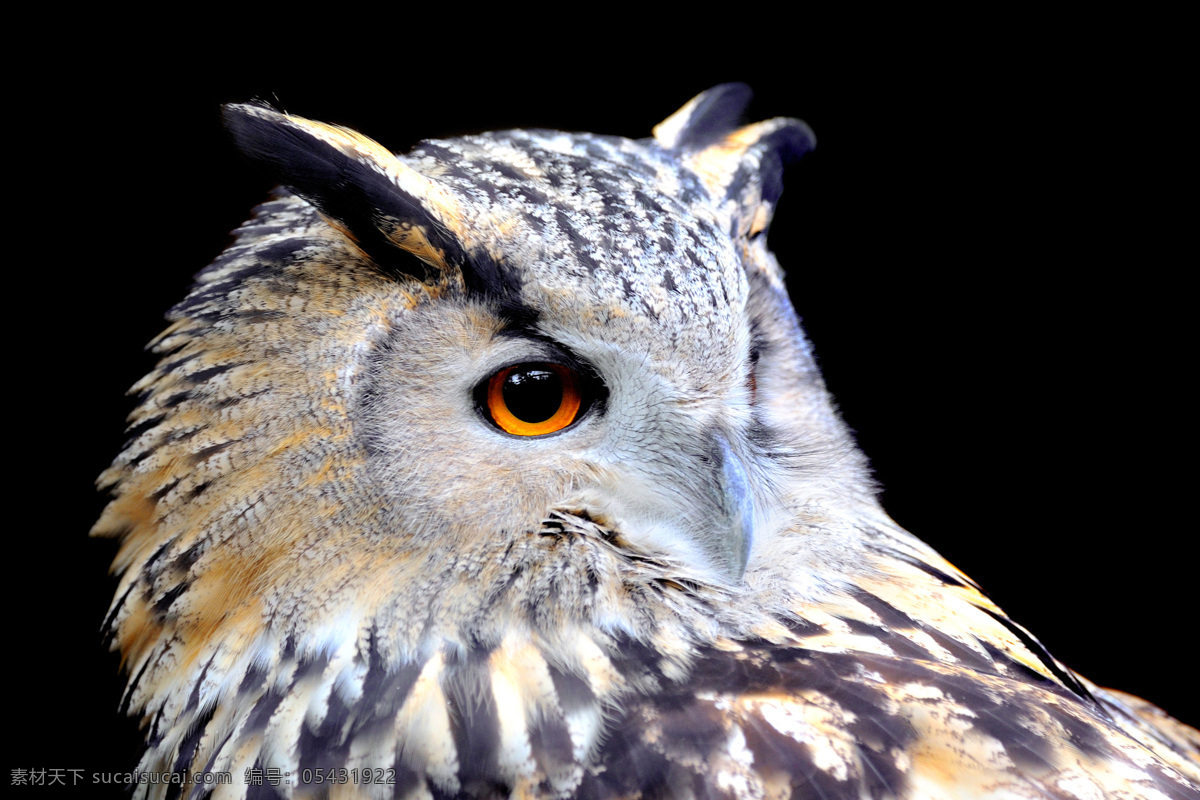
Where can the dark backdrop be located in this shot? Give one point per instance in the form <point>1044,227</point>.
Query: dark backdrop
<point>974,248</point>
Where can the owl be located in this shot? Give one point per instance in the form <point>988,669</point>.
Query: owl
<point>503,468</point>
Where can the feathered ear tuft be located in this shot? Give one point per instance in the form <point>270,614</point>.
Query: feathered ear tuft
<point>387,209</point>
<point>740,167</point>
<point>705,118</point>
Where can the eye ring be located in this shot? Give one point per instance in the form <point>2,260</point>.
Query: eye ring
<point>532,399</point>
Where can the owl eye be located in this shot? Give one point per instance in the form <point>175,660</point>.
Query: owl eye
<point>532,399</point>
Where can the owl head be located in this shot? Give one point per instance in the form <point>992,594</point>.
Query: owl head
<point>523,384</point>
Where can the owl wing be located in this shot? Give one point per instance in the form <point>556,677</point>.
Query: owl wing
<point>1165,736</point>
<point>760,720</point>
<point>910,683</point>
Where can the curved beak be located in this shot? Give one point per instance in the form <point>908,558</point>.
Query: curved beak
<point>731,552</point>
<point>697,508</point>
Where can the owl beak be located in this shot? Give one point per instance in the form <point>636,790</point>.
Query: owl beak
<point>700,509</point>
<point>731,551</point>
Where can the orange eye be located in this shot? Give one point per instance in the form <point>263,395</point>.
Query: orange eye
<point>532,399</point>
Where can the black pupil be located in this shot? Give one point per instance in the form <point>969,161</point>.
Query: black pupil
<point>533,395</point>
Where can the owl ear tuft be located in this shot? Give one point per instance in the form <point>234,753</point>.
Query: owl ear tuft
<point>750,161</point>
<point>741,167</point>
<point>705,118</point>
<point>386,208</point>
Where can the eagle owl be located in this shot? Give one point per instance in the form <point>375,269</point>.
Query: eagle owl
<point>502,468</point>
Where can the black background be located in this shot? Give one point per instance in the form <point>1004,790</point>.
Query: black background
<point>976,247</point>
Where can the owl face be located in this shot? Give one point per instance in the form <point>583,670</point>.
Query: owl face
<point>564,421</point>
<point>653,372</point>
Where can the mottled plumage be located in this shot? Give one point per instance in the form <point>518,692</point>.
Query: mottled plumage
<point>334,554</point>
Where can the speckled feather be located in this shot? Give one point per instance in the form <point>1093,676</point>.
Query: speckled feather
<point>329,560</point>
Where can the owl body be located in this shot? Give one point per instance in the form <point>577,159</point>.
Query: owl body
<point>503,468</point>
